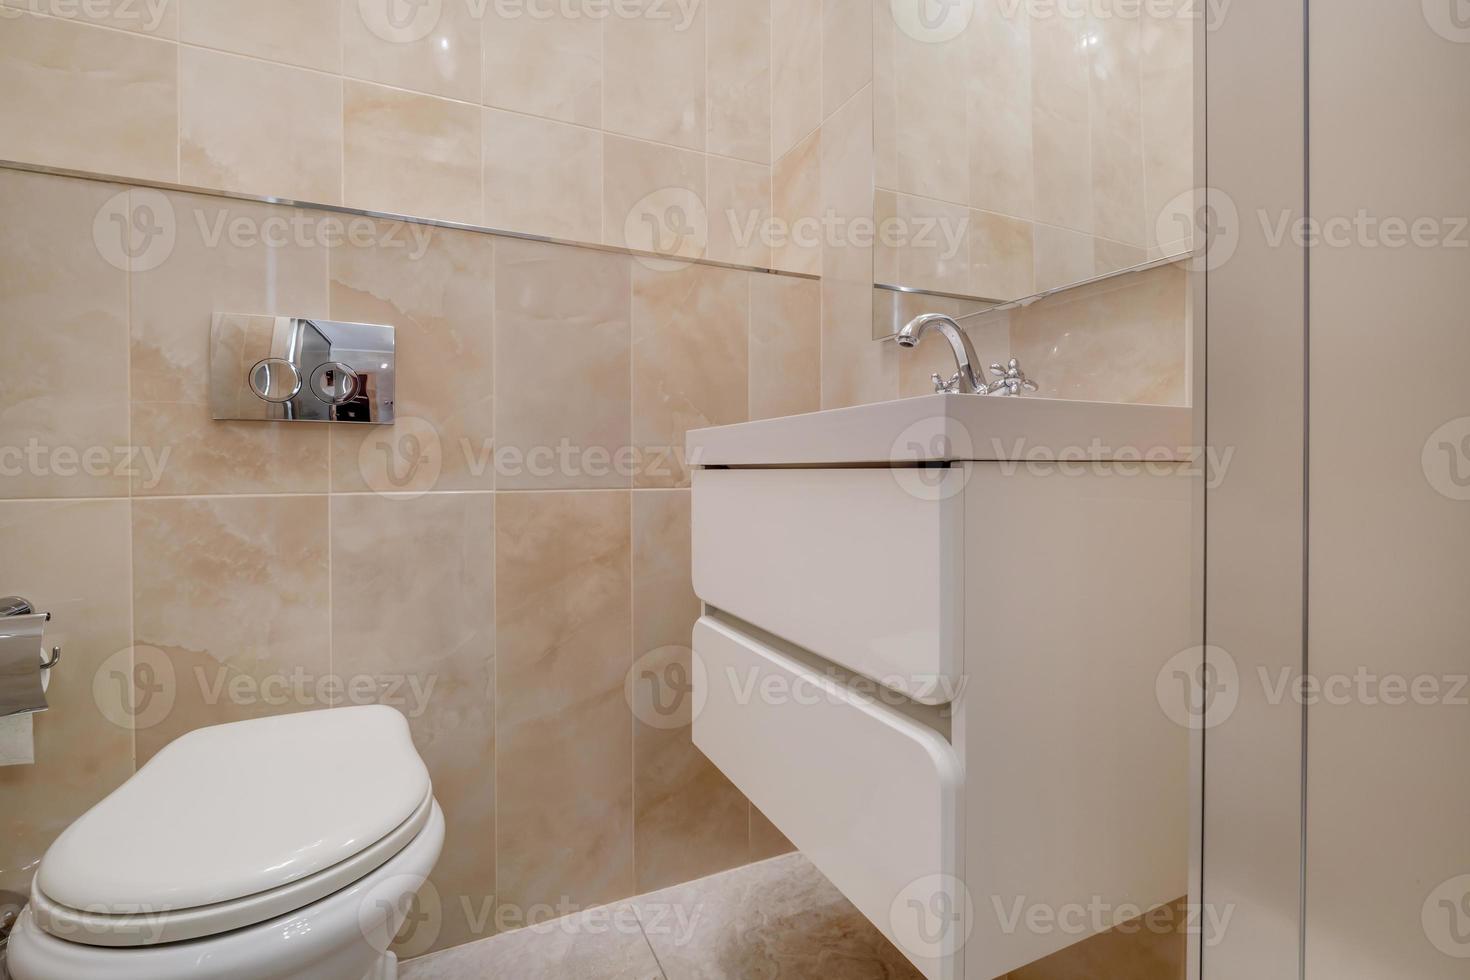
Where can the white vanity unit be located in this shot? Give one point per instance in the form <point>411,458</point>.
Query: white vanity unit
<point>933,659</point>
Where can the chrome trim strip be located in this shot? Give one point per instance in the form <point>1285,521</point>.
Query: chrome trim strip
<point>160,185</point>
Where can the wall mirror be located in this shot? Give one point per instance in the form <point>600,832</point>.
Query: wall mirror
<point>1024,147</point>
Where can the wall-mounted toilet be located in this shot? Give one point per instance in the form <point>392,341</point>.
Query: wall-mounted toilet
<point>276,849</point>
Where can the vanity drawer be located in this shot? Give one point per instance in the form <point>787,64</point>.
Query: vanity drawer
<point>869,795</point>
<point>862,566</point>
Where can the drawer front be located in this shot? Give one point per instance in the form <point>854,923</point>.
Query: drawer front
<point>862,566</point>
<point>870,796</point>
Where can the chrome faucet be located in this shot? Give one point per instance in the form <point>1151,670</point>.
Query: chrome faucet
<point>964,352</point>
<point>1011,380</point>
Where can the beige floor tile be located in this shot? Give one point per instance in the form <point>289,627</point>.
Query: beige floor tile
<point>601,944</point>
<point>779,919</point>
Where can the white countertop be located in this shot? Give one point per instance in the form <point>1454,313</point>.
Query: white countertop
<point>943,428</point>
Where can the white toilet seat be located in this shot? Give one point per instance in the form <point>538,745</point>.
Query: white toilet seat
<point>147,928</point>
<point>344,936</point>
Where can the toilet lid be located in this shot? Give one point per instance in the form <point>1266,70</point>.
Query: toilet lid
<point>238,810</point>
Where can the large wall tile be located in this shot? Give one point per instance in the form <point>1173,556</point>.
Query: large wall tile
<point>690,821</point>
<point>690,359</point>
<point>1121,340</point>
<point>796,72</point>
<point>63,380</point>
<point>1117,130</point>
<point>654,198</point>
<point>796,204</point>
<point>931,152</point>
<point>549,66</point>
<point>933,244</point>
<point>294,32</point>
<point>739,78</point>
<point>259,128</point>
<point>785,346</point>
<point>224,257</point>
<point>88,98</point>
<point>441,57</point>
<point>847,50</point>
<point>563,728</point>
<point>999,118</point>
<point>542,177</point>
<point>653,74</point>
<point>156,18</point>
<point>739,212</point>
<point>562,367</point>
<point>70,559</point>
<point>230,616</point>
<point>437,287</point>
<point>1002,256</point>
<point>413,610</point>
<point>411,154</point>
<point>1063,256</point>
<point>1061,127</point>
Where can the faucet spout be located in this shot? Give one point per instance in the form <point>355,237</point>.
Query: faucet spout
<point>964,352</point>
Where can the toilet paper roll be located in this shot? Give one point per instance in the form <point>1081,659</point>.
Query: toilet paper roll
<point>23,686</point>
<point>18,732</point>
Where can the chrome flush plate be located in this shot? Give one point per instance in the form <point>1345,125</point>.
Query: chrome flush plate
<point>294,369</point>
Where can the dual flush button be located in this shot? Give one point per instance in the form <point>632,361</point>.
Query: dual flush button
<point>296,369</point>
<point>278,381</point>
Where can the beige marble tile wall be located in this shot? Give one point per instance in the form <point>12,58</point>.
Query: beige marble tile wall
<point>1120,340</point>
<point>1053,139</point>
<point>643,122</point>
<point>508,565</point>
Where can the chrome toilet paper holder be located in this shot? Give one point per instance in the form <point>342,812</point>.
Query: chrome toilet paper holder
<point>15,605</point>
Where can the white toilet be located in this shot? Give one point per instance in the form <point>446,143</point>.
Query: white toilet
<point>285,847</point>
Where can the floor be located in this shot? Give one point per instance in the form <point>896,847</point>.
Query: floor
<point>777,920</point>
